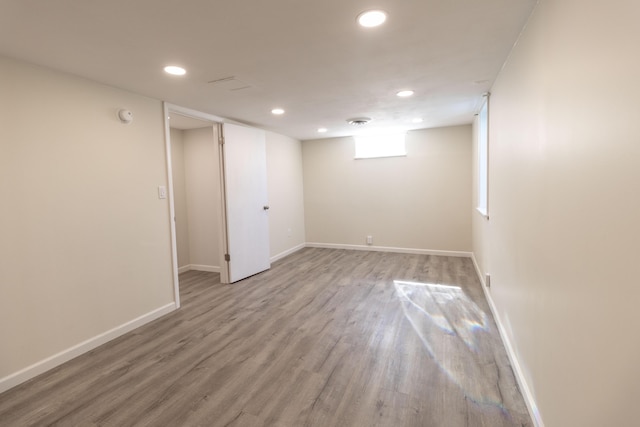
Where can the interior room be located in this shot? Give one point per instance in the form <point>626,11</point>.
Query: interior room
<point>483,276</point>
<point>196,190</point>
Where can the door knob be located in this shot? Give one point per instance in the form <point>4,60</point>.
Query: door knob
<point>265,207</point>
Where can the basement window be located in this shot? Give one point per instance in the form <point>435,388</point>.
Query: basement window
<point>483,160</point>
<point>380,145</point>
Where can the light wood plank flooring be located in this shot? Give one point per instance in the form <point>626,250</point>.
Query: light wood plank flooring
<point>325,338</point>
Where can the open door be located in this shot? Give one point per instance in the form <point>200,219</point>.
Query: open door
<point>246,207</point>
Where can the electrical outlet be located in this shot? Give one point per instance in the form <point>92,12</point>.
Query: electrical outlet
<point>162,192</point>
<point>487,280</point>
<point>369,240</point>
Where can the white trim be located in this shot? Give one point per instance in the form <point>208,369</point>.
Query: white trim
<point>390,249</point>
<point>195,114</point>
<point>224,230</point>
<point>482,145</point>
<point>479,273</point>
<point>288,252</point>
<point>513,358</point>
<point>51,362</point>
<point>201,267</point>
<point>172,209</point>
<point>482,212</point>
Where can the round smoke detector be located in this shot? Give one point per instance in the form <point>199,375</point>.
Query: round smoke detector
<point>359,121</point>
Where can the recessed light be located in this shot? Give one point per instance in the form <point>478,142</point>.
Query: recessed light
<point>175,70</point>
<point>372,18</point>
<point>417,120</point>
<point>277,111</point>
<point>404,93</point>
<point>322,130</point>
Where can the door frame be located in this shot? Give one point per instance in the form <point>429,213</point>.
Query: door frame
<point>215,121</point>
<point>225,275</point>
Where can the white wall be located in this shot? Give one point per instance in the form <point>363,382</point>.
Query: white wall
<point>85,252</point>
<point>421,201</point>
<point>85,241</point>
<point>286,200</point>
<point>202,186</point>
<point>562,240</point>
<point>180,198</point>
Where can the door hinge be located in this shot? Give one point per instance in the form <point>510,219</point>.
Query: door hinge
<point>227,257</point>
<point>221,140</point>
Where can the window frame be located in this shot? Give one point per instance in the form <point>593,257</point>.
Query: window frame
<point>482,171</point>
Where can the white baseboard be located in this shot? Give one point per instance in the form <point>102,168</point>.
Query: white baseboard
<point>390,249</point>
<point>51,362</point>
<point>199,267</point>
<point>288,252</point>
<point>515,363</point>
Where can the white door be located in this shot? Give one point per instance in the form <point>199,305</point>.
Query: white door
<point>246,202</point>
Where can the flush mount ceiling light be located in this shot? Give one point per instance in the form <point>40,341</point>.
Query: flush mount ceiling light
<point>417,120</point>
<point>372,18</point>
<point>277,111</point>
<point>175,70</point>
<point>322,130</point>
<point>404,93</point>
<point>359,121</point>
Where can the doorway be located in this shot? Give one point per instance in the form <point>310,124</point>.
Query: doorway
<point>196,191</point>
<point>208,209</point>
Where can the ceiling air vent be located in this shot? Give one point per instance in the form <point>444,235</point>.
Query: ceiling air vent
<point>230,83</point>
<point>359,121</point>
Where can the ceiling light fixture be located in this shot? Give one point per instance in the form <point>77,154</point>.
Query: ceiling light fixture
<point>417,120</point>
<point>322,130</point>
<point>405,93</point>
<point>372,18</point>
<point>175,70</point>
<point>277,111</point>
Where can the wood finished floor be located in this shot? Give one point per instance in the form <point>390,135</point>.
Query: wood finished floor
<point>324,338</point>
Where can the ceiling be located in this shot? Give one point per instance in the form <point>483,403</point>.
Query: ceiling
<point>246,57</point>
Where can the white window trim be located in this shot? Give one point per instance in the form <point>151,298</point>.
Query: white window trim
<point>483,159</point>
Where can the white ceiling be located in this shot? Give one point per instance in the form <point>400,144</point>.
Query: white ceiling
<point>310,58</point>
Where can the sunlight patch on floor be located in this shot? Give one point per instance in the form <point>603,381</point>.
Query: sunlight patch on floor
<point>455,332</point>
